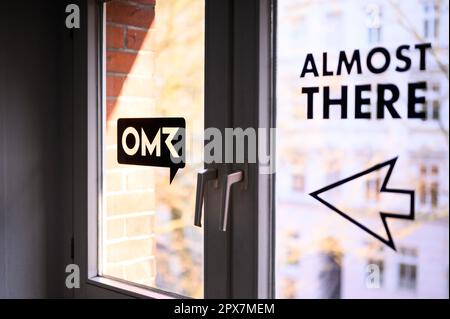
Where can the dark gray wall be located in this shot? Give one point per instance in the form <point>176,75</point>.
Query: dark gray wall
<point>31,130</point>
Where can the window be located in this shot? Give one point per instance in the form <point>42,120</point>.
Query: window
<point>289,290</point>
<point>148,237</point>
<point>330,269</point>
<point>408,252</point>
<point>430,20</point>
<point>297,18</point>
<point>138,237</point>
<point>293,250</point>
<point>373,187</point>
<point>335,28</point>
<point>298,165</point>
<point>434,111</point>
<point>423,185</point>
<point>333,171</point>
<point>432,108</point>
<point>293,256</point>
<point>429,185</point>
<point>338,210</point>
<point>407,276</point>
<point>376,268</point>
<point>298,182</point>
<point>154,67</point>
<point>373,23</point>
<point>407,268</point>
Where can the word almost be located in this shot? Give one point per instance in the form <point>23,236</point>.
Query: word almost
<point>388,95</point>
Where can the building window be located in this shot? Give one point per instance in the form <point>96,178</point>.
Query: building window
<point>433,106</point>
<point>435,103</point>
<point>435,110</point>
<point>434,194</point>
<point>373,23</point>
<point>422,193</point>
<point>293,255</point>
<point>330,275</point>
<point>333,171</point>
<point>137,201</point>
<point>407,276</point>
<point>408,252</point>
<point>429,185</point>
<point>333,23</point>
<point>430,20</point>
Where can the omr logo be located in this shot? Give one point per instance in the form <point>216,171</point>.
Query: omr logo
<point>156,142</point>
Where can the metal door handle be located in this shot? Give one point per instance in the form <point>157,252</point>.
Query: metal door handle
<point>228,180</point>
<point>203,176</point>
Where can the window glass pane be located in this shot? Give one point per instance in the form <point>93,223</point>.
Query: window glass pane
<point>154,67</point>
<point>361,83</point>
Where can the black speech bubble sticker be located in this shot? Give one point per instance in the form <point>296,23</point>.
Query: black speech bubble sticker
<point>150,127</point>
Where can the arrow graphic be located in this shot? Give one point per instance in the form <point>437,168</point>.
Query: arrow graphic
<point>384,189</point>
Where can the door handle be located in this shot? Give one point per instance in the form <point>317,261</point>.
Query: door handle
<point>228,181</point>
<point>203,176</point>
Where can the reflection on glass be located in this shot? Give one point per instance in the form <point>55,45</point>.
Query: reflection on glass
<point>154,68</point>
<point>319,254</point>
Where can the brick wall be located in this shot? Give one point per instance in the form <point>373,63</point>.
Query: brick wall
<point>129,194</point>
